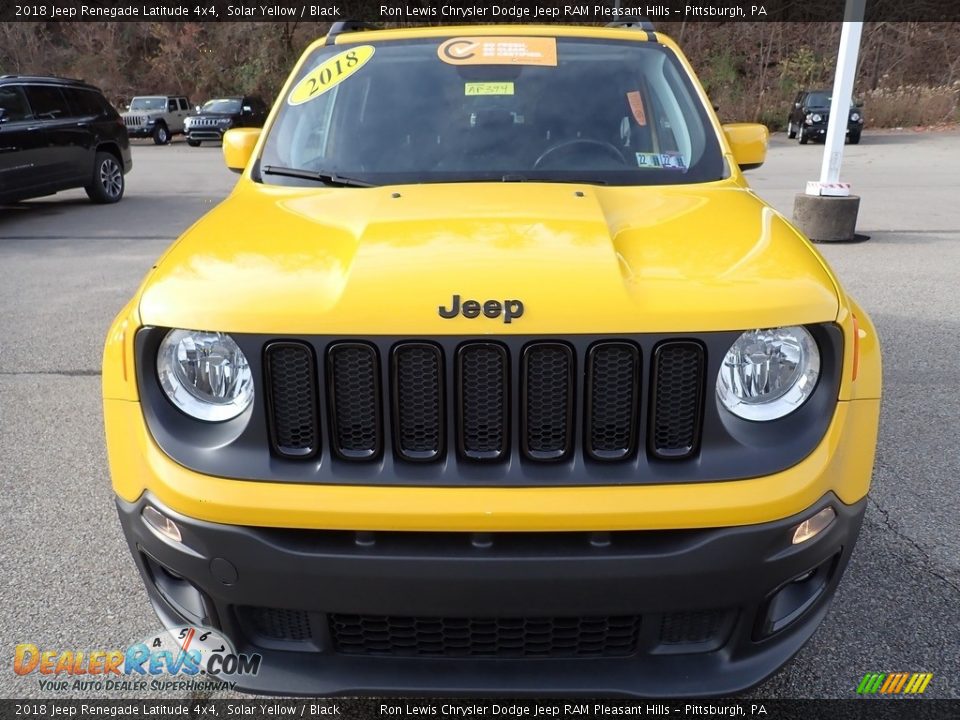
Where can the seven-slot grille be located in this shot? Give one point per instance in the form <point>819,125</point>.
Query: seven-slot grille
<point>425,404</point>
<point>197,122</point>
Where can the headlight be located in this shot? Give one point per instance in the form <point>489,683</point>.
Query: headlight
<point>816,117</point>
<point>205,374</point>
<point>855,117</point>
<point>768,374</point>
<point>226,122</point>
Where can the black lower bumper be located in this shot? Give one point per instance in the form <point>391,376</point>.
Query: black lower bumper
<point>645,613</point>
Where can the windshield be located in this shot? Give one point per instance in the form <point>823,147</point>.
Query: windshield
<point>824,99</point>
<point>148,103</point>
<point>493,109</point>
<point>221,105</point>
<point>818,99</point>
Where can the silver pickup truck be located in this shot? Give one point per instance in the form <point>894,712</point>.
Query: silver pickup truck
<point>157,116</point>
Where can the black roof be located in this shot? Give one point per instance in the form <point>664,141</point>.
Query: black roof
<point>52,79</point>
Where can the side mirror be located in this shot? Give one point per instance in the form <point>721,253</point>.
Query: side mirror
<point>197,108</point>
<point>247,109</point>
<point>238,146</point>
<point>797,105</point>
<point>748,142</point>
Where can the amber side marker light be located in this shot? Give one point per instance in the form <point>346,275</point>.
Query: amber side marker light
<point>813,526</point>
<point>164,525</point>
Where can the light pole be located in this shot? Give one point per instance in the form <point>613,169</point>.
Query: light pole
<point>827,211</point>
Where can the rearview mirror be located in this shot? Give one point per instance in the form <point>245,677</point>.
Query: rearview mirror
<point>748,143</point>
<point>238,146</point>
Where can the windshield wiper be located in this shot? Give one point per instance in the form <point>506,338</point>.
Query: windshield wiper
<point>326,178</point>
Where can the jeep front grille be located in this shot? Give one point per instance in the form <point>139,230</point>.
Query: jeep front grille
<point>483,379</point>
<point>354,396</point>
<point>677,397</point>
<point>612,399</point>
<point>418,401</point>
<point>203,122</point>
<point>547,396</point>
<point>134,120</point>
<point>549,402</point>
<point>291,386</point>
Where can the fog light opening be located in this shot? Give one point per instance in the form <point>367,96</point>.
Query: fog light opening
<point>161,524</point>
<point>813,526</point>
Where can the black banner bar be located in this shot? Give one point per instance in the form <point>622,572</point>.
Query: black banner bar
<point>867,708</point>
<point>461,11</point>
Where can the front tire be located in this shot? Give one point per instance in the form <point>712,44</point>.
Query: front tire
<point>107,184</point>
<point>802,136</point>
<point>791,133</point>
<point>161,135</point>
<point>854,138</point>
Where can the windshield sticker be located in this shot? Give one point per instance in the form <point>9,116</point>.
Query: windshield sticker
<point>488,88</point>
<point>661,161</point>
<point>499,51</point>
<point>636,107</point>
<point>330,73</point>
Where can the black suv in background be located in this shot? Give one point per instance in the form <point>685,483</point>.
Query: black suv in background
<point>57,134</point>
<point>810,113</point>
<point>220,114</point>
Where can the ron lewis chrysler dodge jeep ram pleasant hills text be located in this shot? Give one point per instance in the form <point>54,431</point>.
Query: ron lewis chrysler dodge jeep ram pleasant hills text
<point>492,375</point>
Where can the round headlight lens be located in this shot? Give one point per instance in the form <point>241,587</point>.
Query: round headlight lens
<point>205,374</point>
<point>855,117</point>
<point>768,374</point>
<point>817,117</point>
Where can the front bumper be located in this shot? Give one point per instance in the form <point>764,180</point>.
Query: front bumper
<point>701,600</point>
<point>205,134</point>
<point>819,130</point>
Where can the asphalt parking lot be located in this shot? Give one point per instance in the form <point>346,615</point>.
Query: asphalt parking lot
<point>66,267</point>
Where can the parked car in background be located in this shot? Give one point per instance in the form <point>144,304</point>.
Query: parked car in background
<point>810,113</point>
<point>157,116</point>
<point>57,134</point>
<point>220,114</point>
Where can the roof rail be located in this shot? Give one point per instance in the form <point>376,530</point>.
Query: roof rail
<point>53,78</point>
<point>347,26</point>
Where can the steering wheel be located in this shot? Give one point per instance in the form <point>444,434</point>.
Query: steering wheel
<point>607,147</point>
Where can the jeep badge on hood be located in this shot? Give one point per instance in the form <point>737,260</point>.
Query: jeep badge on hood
<point>510,309</point>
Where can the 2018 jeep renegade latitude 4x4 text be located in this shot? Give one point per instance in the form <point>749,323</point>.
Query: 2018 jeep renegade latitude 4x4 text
<point>492,375</point>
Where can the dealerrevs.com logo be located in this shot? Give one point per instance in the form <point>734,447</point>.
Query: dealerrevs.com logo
<point>182,658</point>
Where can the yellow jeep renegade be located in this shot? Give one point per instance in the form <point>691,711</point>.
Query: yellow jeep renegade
<point>492,375</point>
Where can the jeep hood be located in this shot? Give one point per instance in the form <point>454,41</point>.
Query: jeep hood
<point>582,259</point>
